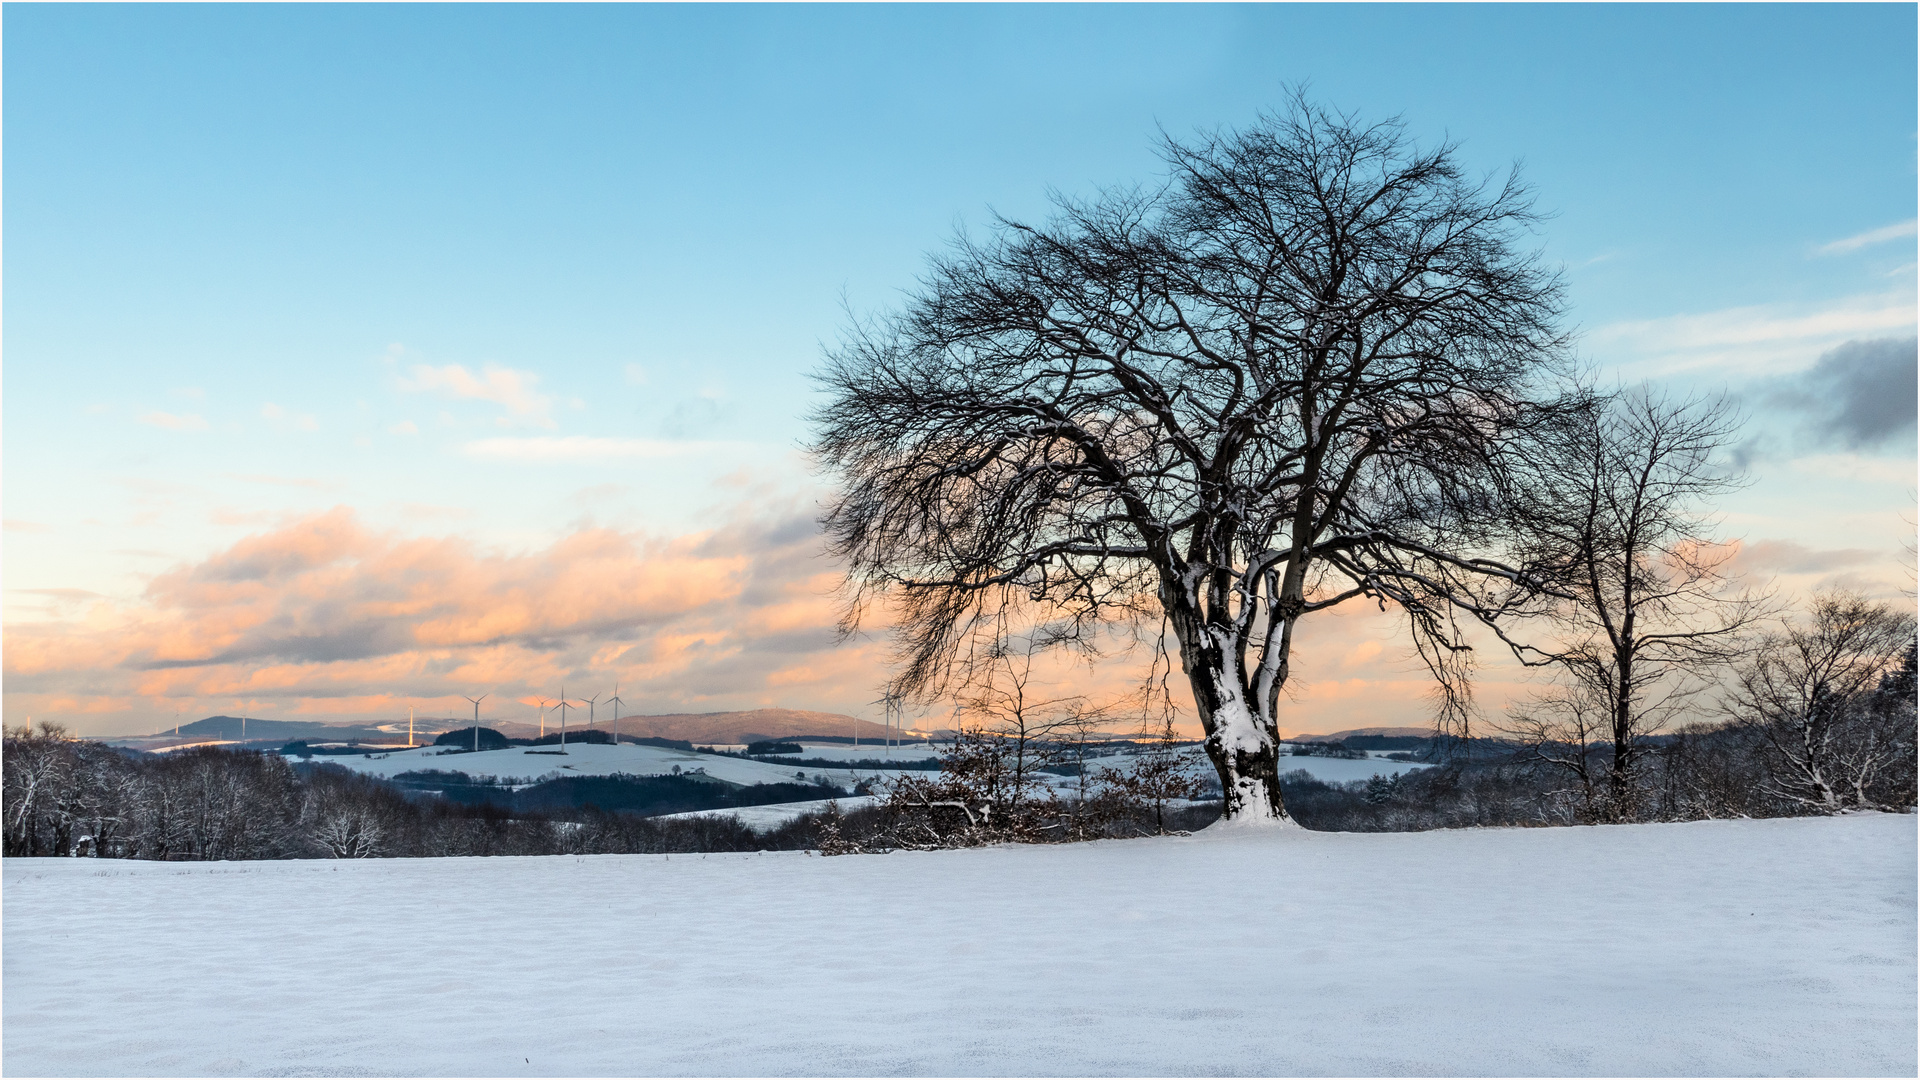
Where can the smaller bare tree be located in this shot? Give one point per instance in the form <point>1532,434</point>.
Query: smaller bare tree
<point>1012,733</point>
<point>1831,701</point>
<point>1156,777</point>
<point>1615,512</point>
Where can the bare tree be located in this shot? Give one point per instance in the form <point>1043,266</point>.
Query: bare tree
<point>1032,728</point>
<point>38,766</point>
<point>1156,776</point>
<point>1563,728</point>
<point>991,785</point>
<point>1280,382</point>
<point>1831,699</point>
<point>1616,508</point>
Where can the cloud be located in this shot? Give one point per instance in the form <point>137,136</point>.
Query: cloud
<point>1856,468</point>
<point>501,385</point>
<point>1859,396</point>
<point>1787,557</point>
<point>1750,340</point>
<point>579,448</point>
<point>21,525</point>
<point>186,422</point>
<point>327,615</point>
<point>404,427</point>
<point>1897,231</point>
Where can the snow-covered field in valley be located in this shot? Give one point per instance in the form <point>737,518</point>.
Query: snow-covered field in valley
<point>762,818</point>
<point>597,759</point>
<point>583,759</point>
<point>1752,947</point>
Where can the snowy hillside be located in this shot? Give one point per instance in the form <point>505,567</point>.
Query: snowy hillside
<point>584,759</point>
<point>1747,947</point>
<point>598,759</point>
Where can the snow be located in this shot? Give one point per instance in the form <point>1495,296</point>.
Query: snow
<point>762,818</point>
<point>1320,768</point>
<point>515,764</point>
<point>1745,947</point>
<point>864,752</point>
<point>1341,769</point>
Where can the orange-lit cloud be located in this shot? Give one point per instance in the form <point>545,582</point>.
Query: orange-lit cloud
<point>329,619</point>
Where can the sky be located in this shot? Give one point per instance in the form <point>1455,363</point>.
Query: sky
<point>360,357</point>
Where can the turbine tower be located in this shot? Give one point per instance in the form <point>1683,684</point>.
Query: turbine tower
<point>476,718</point>
<point>543,718</point>
<point>563,706</point>
<point>893,721</point>
<point>616,712</point>
<point>590,704</point>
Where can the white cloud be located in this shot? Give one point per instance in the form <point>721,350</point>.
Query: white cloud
<point>1761,340</point>
<point>587,448</point>
<point>503,386</point>
<point>636,375</point>
<point>1856,468</point>
<point>185,422</point>
<point>1870,237</point>
<point>404,427</point>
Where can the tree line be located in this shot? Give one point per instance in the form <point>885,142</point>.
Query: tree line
<point>75,797</point>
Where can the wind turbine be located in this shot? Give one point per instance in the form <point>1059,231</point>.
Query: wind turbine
<point>409,727</point>
<point>476,718</point>
<point>893,720</point>
<point>543,718</point>
<point>616,713</point>
<point>590,703</point>
<point>563,706</point>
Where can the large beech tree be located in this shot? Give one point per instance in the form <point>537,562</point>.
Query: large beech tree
<point>1284,379</point>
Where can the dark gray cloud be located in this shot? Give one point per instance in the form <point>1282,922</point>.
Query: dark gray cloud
<point>1859,396</point>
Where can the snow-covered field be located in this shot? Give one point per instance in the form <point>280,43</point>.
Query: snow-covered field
<point>762,818</point>
<point>583,759</point>
<point>1753,947</point>
<point>516,765</point>
<point>865,751</point>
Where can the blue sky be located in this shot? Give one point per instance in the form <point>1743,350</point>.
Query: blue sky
<point>501,276</point>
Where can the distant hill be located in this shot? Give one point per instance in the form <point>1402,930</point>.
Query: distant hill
<point>251,728</point>
<point>719,727</point>
<point>1389,732</point>
<point>750,726</point>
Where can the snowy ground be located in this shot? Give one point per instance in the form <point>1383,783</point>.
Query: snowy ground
<point>864,752</point>
<point>1321,768</point>
<point>762,818</point>
<point>584,759</point>
<point>1770,947</point>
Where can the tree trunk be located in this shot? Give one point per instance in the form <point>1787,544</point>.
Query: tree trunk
<point>1241,738</point>
<point>1246,755</point>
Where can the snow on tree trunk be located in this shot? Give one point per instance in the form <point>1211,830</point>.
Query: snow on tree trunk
<point>1241,739</point>
<point>1247,757</point>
